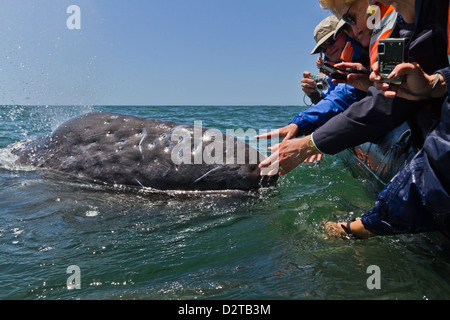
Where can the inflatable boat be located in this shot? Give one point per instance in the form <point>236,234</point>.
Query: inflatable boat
<point>379,161</point>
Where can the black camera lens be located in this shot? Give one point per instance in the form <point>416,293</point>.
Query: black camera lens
<point>381,48</point>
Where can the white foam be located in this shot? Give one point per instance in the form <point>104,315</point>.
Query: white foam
<point>91,213</point>
<point>8,159</point>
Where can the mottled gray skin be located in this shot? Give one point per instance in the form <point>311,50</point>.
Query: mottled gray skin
<point>117,149</point>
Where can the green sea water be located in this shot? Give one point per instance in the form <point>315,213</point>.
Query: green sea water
<point>130,245</point>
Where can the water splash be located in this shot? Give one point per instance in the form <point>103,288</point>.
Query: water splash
<point>45,119</point>
<point>7,158</point>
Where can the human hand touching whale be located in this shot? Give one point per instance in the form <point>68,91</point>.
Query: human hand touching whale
<point>286,156</point>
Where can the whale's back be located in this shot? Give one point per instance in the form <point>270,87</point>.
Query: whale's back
<point>120,149</point>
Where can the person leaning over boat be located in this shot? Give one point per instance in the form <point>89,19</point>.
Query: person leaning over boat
<point>329,38</point>
<point>417,198</point>
<point>336,100</point>
<point>376,114</point>
<point>363,121</point>
<point>335,42</point>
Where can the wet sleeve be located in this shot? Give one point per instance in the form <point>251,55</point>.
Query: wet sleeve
<point>413,202</point>
<point>417,199</point>
<point>437,144</point>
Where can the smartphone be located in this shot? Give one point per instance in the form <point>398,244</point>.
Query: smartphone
<point>391,52</point>
<point>340,73</point>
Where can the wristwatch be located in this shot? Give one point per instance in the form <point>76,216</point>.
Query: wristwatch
<point>312,145</point>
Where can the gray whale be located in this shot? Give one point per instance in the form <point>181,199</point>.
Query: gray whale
<point>116,149</point>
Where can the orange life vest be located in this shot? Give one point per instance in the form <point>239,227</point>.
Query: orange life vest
<point>386,19</point>
<point>347,53</point>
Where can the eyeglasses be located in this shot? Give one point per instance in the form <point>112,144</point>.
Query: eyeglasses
<point>328,43</point>
<point>349,18</point>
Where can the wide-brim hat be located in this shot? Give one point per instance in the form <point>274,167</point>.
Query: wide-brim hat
<point>330,27</point>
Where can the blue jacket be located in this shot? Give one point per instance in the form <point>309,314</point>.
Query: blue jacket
<point>417,198</point>
<point>358,54</point>
<point>337,101</point>
<point>317,96</point>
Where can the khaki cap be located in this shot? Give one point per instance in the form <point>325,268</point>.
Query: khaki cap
<point>329,27</point>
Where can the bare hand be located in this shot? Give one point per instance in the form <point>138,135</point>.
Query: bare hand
<point>309,86</point>
<point>319,62</point>
<point>286,156</point>
<point>288,132</point>
<point>417,85</point>
<point>359,81</point>
<point>335,230</point>
<point>316,157</point>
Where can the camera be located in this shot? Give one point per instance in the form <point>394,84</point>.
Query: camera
<point>391,52</point>
<point>340,73</point>
<point>322,82</point>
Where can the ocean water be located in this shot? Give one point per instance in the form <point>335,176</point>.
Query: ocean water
<point>130,245</point>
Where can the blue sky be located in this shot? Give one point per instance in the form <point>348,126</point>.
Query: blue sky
<point>156,52</point>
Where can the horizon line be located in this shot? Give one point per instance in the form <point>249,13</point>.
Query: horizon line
<point>152,105</point>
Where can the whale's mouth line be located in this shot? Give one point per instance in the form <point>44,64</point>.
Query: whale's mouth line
<point>85,182</point>
<point>225,192</point>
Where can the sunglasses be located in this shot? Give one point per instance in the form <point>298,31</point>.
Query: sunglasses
<point>349,18</point>
<point>328,43</point>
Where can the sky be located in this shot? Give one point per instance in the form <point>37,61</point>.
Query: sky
<point>156,52</point>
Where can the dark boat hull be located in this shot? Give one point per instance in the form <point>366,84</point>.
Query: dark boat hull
<point>380,161</point>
